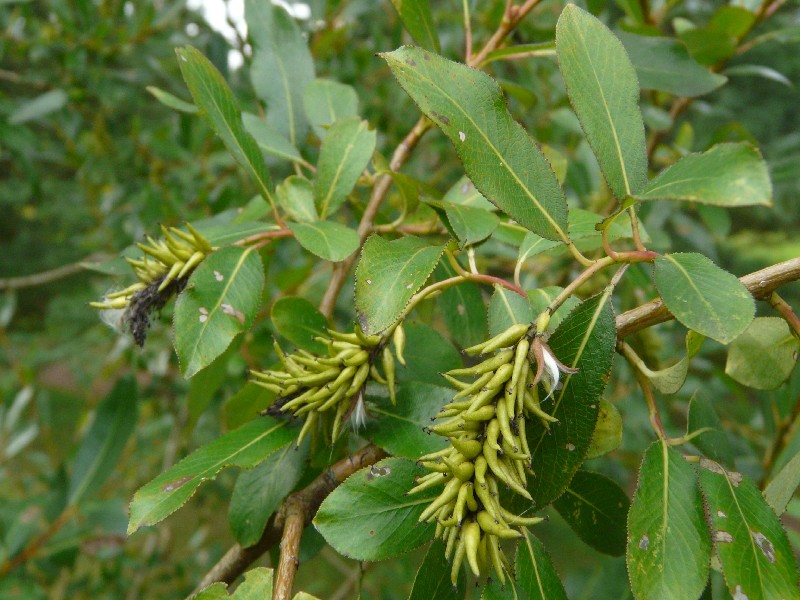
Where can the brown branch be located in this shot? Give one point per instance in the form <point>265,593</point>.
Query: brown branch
<point>36,544</point>
<point>511,18</point>
<point>761,284</point>
<point>305,503</point>
<point>786,311</point>
<point>26,281</point>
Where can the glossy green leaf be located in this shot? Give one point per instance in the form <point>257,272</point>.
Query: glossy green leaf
<point>494,590</point>
<point>702,296</point>
<point>532,245</point>
<point>38,107</point>
<point>603,89</point>
<point>427,354</point>
<point>432,581</point>
<point>247,404</point>
<point>326,102</point>
<point>464,192</point>
<point>257,585</point>
<point>468,224</point>
<point>664,64</point>
<point>584,340</point>
<point>725,175</point>
<point>370,517</point>
<point>500,158</point>
<point>756,557</point>
<point>764,355</point>
<point>281,69</point>
<point>300,322</point>
<point>463,309</point>
<point>269,139</point>
<point>759,71</point>
<point>388,274</point>
<point>507,308</point>
<point>712,438</point>
<point>607,435</point>
<point>669,546</point>
<point>583,229</point>
<point>327,239</point>
<point>259,492</point>
<point>400,429</point>
<point>783,486</point>
<point>670,379</point>
<point>418,21</point>
<point>343,157</point>
<point>219,302</point>
<point>171,100</point>
<point>596,508</point>
<point>296,197</point>
<point>244,447</point>
<point>101,447</point>
<point>219,107</point>
<point>536,575</point>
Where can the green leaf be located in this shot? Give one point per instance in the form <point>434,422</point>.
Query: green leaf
<point>671,379</point>
<point>257,585</point>
<point>500,158</point>
<point>583,229</point>
<point>400,429</point>
<point>702,296</point>
<point>585,340</point>
<point>708,46</point>
<point>172,101</point>
<point>269,139</point>
<point>463,309</point>
<point>725,175</point>
<point>388,274</point>
<point>296,197</point>
<point>427,354</point>
<point>326,239</point>
<point>282,67</point>
<point>326,102</point>
<point>532,245</point>
<point>468,224</point>
<point>101,447</point>
<point>603,89</point>
<point>507,308</point>
<point>246,404</point>
<point>536,575</point>
<point>783,486</point>
<point>259,492</point>
<point>432,581</point>
<point>713,442</point>
<point>370,517</point>
<point>206,384</point>
<point>39,107</point>
<point>608,431</point>
<point>344,155</point>
<point>218,106</point>
<point>463,192</point>
<point>418,21</point>
<point>664,64</point>
<point>244,447</point>
<point>541,298</point>
<point>764,355</point>
<point>595,507</point>
<point>493,590</point>
<point>299,321</point>
<point>759,71</point>
<point>219,302</point>
<point>668,543</point>
<point>756,557</point>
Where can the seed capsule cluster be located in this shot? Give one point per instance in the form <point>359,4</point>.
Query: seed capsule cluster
<point>162,272</point>
<point>488,448</point>
<point>331,388</point>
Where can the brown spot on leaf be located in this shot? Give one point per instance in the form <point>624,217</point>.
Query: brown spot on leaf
<point>410,62</point>
<point>376,471</point>
<point>733,476</point>
<point>738,594</point>
<point>722,537</point>
<point>764,545</point>
<point>644,542</point>
<point>232,312</point>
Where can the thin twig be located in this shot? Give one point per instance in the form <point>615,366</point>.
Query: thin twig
<point>36,544</point>
<point>760,284</point>
<point>237,559</point>
<point>786,311</point>
<point>26,281</point>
